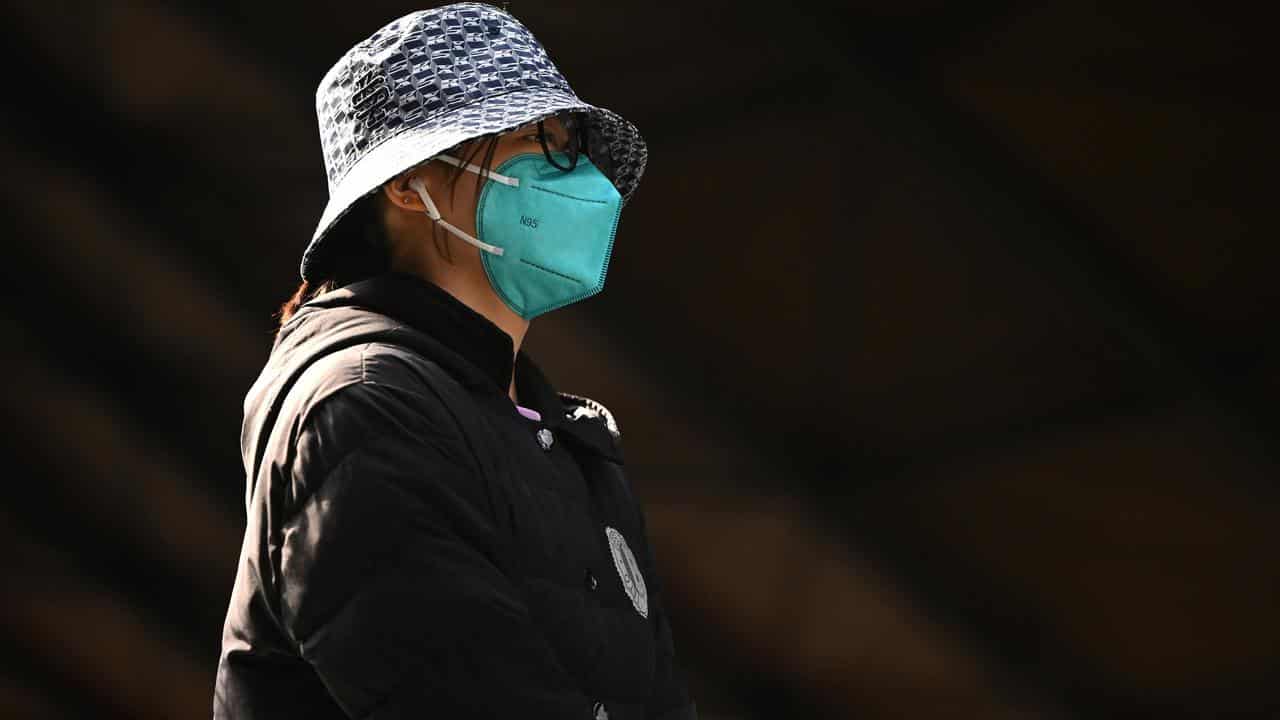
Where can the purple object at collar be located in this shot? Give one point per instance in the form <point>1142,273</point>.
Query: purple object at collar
<point>529,413</point>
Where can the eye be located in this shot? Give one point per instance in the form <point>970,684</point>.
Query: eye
<point>541,139</point>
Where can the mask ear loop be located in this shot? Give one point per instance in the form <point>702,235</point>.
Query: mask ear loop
<point>434,214</point>
<point>504,179</point>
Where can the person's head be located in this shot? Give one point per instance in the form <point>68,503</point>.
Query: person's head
<point>409,110</point>
<point>389,228</point>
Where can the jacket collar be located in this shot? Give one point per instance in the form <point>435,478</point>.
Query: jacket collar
<point>481,351</point>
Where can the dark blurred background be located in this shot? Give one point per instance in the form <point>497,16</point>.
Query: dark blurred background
<point>939,335</point>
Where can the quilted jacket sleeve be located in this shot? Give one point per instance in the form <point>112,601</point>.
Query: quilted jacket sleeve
<point>389,586</point>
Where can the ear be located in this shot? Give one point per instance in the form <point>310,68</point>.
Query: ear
<point>400,194</point>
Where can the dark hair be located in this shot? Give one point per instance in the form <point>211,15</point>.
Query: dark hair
<point>359,246</point>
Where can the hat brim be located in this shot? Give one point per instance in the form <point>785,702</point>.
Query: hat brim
<point>611,133</point>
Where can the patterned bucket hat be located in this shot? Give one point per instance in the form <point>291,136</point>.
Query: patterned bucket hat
<point>432,79</point>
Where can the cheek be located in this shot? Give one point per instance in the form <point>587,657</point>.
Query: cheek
<point>463,203</point>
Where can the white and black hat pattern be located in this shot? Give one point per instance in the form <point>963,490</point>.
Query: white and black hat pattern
<point>434,78</point>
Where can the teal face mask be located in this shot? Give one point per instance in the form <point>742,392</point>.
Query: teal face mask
<point>545,234</point>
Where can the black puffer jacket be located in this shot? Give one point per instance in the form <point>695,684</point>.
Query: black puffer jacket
<point>418,548</point>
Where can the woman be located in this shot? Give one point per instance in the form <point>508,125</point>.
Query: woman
<point>433,529</point>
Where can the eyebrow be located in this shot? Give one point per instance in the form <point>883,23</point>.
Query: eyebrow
<point>560,136</point>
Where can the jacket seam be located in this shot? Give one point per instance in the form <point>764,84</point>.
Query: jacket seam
<point>423,389</point>
<point>300,502</point>
<point>306,416</point>
<point>333,468</point>
<point>345,606</point>
<point>428,391</point>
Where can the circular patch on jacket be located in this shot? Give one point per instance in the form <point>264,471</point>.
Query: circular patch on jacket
<point>625,562</point>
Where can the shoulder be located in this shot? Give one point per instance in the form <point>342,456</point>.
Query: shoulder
<point>372,392</point>
<point>367,369</point>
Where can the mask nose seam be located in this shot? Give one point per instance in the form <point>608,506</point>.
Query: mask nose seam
<point>571,197</point>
